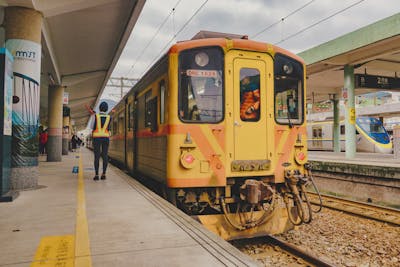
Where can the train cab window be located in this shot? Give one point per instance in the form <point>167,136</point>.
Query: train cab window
<point>201,87</point>
<point>288,86</point>
<point>249,94</point>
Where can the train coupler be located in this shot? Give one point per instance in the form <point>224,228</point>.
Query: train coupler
<point>254,192</point>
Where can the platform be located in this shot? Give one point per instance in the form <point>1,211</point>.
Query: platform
<point>366,177</point>
<point>376,159</point>
<point>71,220</point>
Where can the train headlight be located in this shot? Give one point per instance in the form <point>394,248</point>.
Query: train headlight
<point>288,68</point>
<point>201,59</point>
<point>188,160</point>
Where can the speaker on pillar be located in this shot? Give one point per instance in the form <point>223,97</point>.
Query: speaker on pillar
<point>6,90</point>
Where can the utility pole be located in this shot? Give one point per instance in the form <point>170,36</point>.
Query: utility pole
<point>121,83</point>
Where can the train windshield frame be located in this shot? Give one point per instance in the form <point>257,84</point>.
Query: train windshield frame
<point>288,90</point>
<point>201,85</point>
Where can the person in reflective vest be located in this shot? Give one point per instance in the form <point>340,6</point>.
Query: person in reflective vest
<point>101,139</point>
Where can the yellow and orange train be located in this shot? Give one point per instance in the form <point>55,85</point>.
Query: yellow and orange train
<point>219,123</point>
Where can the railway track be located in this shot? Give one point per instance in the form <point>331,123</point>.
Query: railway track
<point>273,247</point>
<point>379,213</point>
<point>297,252</point>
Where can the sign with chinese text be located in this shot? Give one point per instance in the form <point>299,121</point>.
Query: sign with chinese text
<point>379,82</point>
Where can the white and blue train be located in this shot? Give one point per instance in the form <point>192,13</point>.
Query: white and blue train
<point>371,136</point>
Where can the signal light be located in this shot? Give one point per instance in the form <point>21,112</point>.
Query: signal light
<point>188,160</point>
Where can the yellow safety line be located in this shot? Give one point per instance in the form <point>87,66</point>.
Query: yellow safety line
<point>55,251</point>
<point>82,245</point>
<point>61,250</point>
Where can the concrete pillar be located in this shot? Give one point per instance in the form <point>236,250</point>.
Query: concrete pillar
<point>55,106</point>
<point>350,112</point>
<point>65,135</point>
<point>23,40</point>
<point>336,125</point>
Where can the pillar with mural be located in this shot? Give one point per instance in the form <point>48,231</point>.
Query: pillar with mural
<point>23,40</point>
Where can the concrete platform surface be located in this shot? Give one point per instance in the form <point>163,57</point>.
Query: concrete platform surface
<point>375,159</point>
<point>71,220</point>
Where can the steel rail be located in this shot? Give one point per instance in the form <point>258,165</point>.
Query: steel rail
<point>298,252</point>
<point>367,210</point>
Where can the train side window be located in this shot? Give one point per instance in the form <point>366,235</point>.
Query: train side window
<point>129,117</point>
<point>163,99</point>
<point>342,129</point>
<point>115,127</point>
<point>132,116</point>
<point>140,114</point>
<point>249,94</point>
<point>151,114</point>
<point>120,123</point>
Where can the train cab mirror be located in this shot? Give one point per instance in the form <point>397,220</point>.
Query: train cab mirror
<point>151,114</point>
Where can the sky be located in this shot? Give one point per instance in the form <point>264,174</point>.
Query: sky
<point>296,25</point>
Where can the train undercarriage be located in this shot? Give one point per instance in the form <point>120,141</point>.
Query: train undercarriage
<point>249,207</point>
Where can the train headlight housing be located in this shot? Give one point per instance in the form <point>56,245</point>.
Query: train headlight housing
<point>201,59</point>
<point>188,161</point>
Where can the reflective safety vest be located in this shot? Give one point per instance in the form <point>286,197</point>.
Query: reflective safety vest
<point>101,131</point>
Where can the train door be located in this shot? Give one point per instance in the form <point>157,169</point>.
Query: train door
<point>250,107</point>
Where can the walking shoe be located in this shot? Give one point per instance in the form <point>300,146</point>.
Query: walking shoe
<point>96,178</point>
<point>103,176</point>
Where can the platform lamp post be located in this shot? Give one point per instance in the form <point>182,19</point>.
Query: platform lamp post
<point>336,123</point>
<point>6,91</point>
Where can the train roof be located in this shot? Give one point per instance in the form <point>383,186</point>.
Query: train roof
<point>229,41</point>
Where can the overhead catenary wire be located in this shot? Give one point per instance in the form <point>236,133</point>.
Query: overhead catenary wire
<point>318,22</point>
<point>154,36</point>
<point>282,19</point>
<point>173,37</point>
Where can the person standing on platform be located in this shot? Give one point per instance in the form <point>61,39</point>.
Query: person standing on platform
<point>74,142</point>
<point>43,141</point>
<point>101,139</point>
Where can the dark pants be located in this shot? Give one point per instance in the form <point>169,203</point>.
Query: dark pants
<point>42,148</point>
<point>100,148</point>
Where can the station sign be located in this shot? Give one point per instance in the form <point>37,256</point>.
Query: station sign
<point>65,98</point>
<point>378,82</point>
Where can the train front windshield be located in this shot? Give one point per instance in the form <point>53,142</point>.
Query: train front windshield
<point>371,125</point>
<point>201,86</point>
<point>374,128</point>
<point>289,90</point>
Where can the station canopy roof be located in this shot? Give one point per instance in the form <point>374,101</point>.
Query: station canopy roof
<point>82,41</point>
<point>372,50</point>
